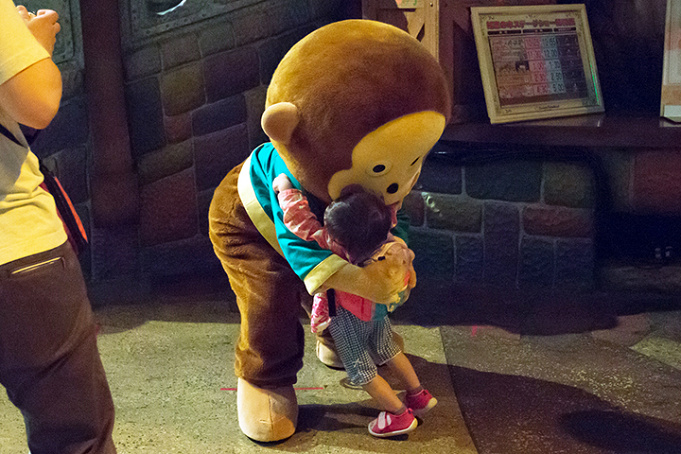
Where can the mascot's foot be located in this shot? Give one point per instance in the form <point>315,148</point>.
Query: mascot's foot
<point>266,415</point>
<point>327,354</point>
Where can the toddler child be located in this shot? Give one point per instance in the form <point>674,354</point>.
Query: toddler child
<point>357,227</point>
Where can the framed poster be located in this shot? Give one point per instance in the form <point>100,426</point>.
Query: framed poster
<point>670,102</point>
<point>536,61</point>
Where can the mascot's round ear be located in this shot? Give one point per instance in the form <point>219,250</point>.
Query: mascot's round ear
<point>279,121</point>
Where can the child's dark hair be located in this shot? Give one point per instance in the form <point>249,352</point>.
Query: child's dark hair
<point>359,221</point>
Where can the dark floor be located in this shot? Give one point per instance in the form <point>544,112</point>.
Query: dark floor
<point>515,373</point>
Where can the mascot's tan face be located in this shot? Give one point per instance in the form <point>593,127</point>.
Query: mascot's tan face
<point>388,160</point>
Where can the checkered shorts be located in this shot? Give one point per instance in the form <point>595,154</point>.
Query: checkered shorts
<point>362,345</point>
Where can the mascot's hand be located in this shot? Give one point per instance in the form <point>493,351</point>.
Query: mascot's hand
<point>382,281</point>
<point>407,256</point>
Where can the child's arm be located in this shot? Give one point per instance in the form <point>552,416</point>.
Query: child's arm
<point>298,217</point>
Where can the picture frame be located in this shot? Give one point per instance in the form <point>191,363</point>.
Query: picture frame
<point>536,62</point>
<point>670,99</point>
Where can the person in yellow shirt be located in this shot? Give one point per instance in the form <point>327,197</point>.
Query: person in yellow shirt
<point>49,361</point>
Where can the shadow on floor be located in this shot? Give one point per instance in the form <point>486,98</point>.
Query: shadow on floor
<point>526,312</point>
<point>523,415</point>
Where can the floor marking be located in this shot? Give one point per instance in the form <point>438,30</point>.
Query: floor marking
<point>312,388</point>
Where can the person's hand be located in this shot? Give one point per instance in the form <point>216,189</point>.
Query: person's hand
<point>281,183</point>
<point>43,25</point>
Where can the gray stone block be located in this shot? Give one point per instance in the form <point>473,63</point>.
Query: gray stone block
<point>439,175</point>
<point>287,14</point>
<point>183,89</point>
<point>575,264</point>
<point>72,82</point>
<point>434,254</point>
<point>568,185</point>
<point>453,213</point>
<point>255,106</point>
<point>219,115</point>
<point>142,62</point>
<point>178,127</point>
<point>169,160</point>
<point>501,233</point>
<point>536,263</point>
<point>216,39</point>
<point>204,200</point>
<point>270,53</point>
<point>114,252</point>
<point>470,258</point>
<point>145,116</point>
<point>515,181</point>
<point>230,73</point>
<point>413,205</point>
<point>189,256</point>
<point>180,50</point>
<point>251,24</point>
<point>168,209</point>
<point>217,153</point>
<point>326,8</point>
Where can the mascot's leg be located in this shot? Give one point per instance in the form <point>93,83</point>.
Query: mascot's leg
<point>269,351</point>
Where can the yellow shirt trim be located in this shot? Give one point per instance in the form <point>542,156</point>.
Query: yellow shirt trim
<point>260,219</point>
<point>322,272</point>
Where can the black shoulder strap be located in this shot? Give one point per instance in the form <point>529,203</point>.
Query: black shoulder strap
<point>5,132</point>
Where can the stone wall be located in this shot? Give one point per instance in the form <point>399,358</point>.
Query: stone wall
<point>513,222</point>
<point>195,97</point>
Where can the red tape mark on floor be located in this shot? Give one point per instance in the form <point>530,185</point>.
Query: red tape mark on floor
<point>297,389</point>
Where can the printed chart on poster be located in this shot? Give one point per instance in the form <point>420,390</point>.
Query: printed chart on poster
<point>536,62</point>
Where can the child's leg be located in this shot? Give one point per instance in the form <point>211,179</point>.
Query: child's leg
<point>381,391</point>
<point>401,366</point>
<point>418,399</point>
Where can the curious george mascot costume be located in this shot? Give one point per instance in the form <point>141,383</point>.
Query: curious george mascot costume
<point>354,102</point>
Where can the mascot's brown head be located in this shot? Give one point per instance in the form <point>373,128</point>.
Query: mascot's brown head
<point>356,102</point>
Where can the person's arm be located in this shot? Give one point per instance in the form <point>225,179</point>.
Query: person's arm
<point>32,96</point>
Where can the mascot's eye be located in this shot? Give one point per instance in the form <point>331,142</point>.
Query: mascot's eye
<point>414,162</point>
<point>379,169</point>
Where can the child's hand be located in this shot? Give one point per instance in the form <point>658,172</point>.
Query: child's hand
<point>281,183</point>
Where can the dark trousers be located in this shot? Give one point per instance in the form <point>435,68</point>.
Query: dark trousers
<point>49,362</point>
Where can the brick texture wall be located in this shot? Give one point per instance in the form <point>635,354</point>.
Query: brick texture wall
<point>506,223</point>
